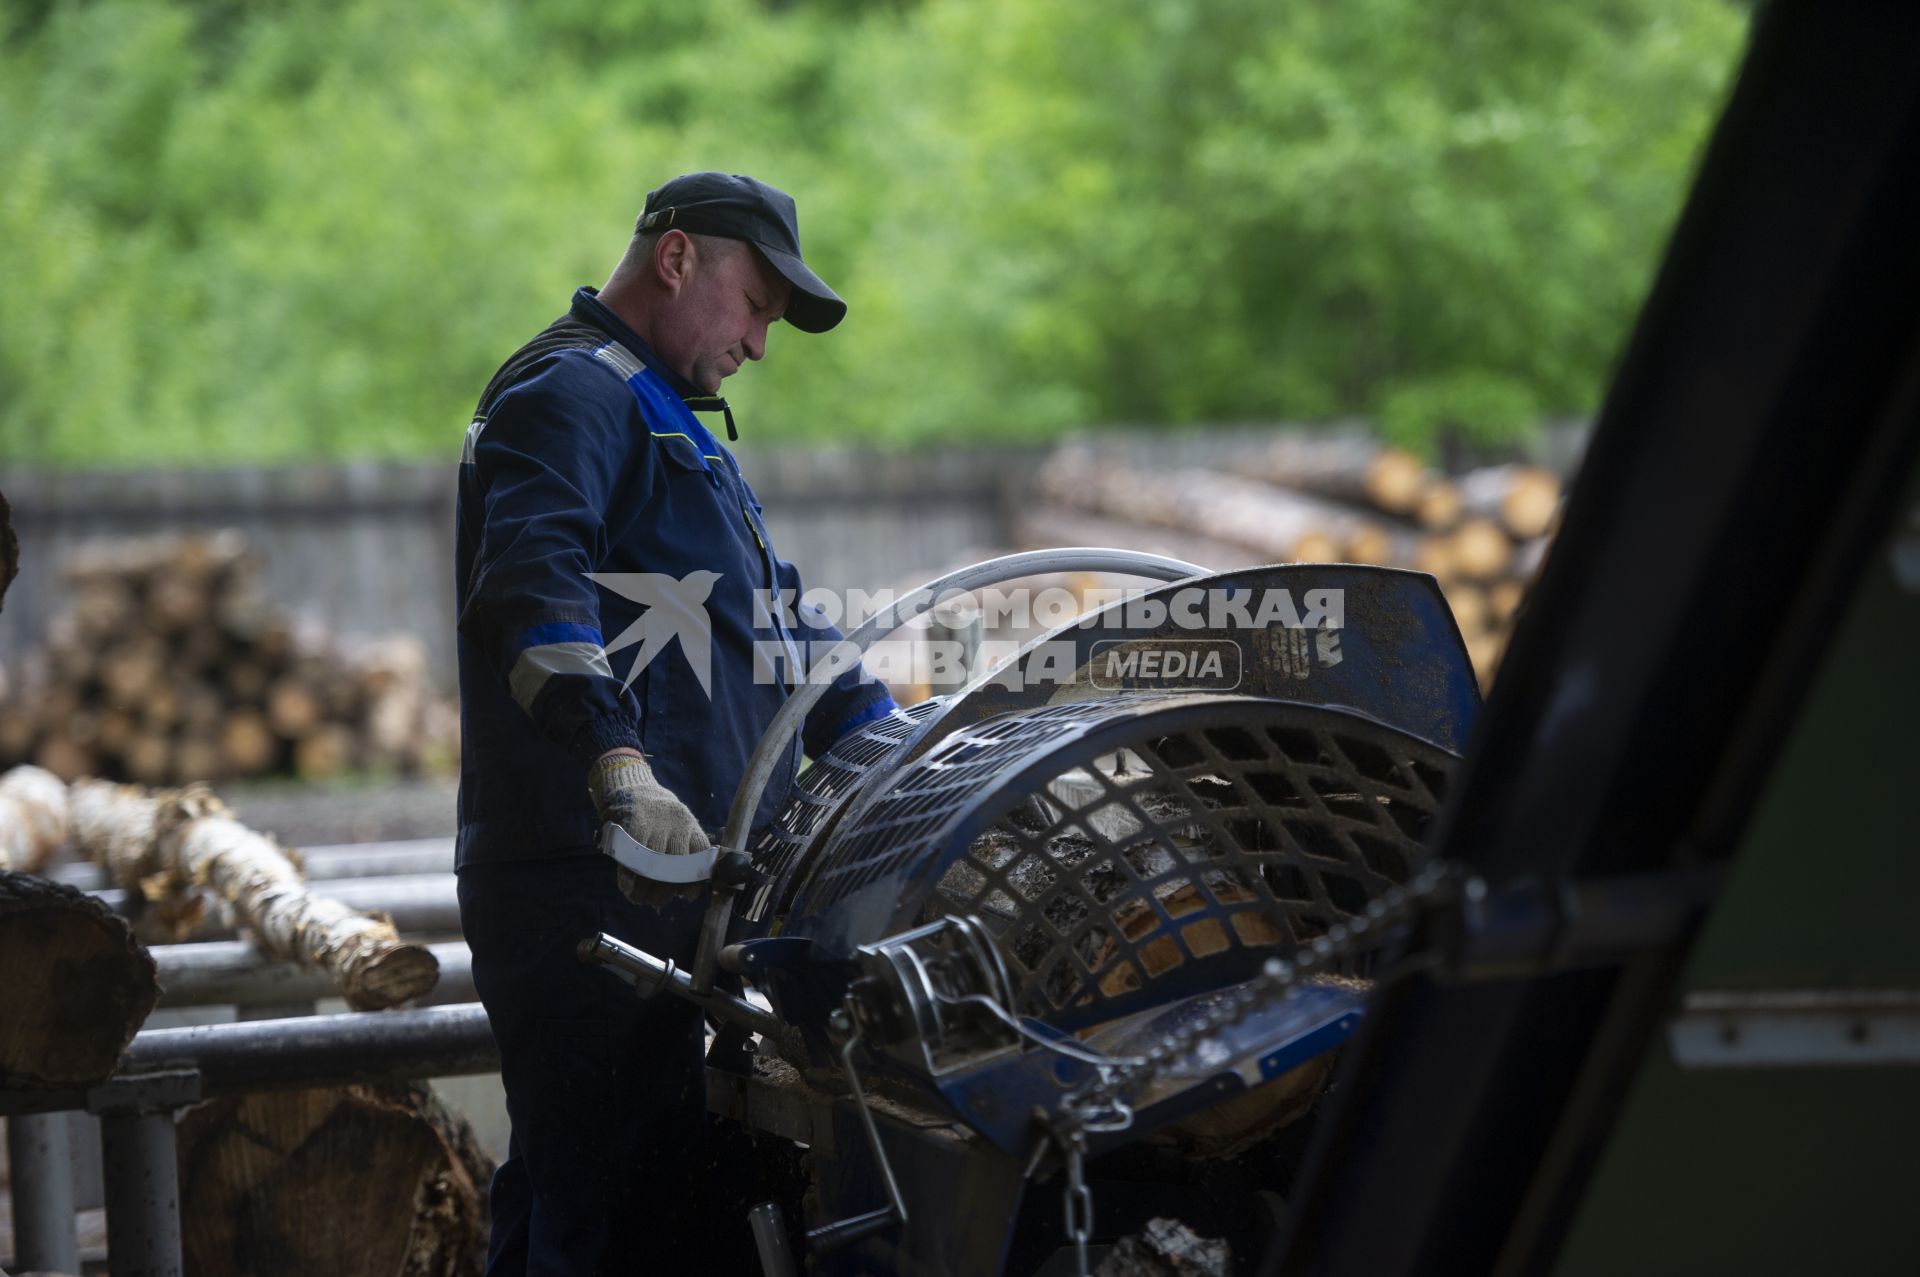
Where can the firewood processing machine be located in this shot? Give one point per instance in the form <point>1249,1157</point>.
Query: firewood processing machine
<point>1117,892</point>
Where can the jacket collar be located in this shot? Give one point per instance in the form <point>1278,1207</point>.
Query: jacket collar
<point>588,308</point>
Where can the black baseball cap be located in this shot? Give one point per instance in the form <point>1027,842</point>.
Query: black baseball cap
<point>737,207</point>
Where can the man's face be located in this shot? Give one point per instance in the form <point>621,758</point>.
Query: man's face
<point>720,317</point>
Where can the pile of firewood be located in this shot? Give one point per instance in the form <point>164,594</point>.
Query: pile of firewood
<point>168,666</point>
<point>1319,500</point>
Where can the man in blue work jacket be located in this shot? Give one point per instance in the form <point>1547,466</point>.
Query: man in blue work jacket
<point>594,503</point>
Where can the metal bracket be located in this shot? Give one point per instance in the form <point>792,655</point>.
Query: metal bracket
<point>1530,926</point>
<point>1797,1028</point>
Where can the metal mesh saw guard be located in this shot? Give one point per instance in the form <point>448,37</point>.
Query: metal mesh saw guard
<point>1129,849</point>
<point>780,848</point>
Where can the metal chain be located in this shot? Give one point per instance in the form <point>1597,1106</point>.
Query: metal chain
<point>1105,1096</point>
<point>1079,1198</point>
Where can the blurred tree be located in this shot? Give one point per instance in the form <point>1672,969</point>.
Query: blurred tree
<point>234,232</point>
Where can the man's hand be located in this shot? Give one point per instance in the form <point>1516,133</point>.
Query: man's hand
<point>625,792</point>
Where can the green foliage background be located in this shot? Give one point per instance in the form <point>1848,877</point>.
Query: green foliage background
<point>283,230</point>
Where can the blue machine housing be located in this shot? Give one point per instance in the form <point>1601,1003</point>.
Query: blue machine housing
<point>1259,817</point>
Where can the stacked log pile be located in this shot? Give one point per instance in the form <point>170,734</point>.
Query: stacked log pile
<point>1304,500</point>
<point>169,667</point>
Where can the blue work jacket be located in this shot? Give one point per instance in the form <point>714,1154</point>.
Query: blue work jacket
<point>593,503</point>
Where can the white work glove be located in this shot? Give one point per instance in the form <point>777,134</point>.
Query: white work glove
<point>625,792</point>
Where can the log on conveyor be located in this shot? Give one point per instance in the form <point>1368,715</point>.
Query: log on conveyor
<point>168,845</point>
<point>33,818</point>
<point>77,985</point>
<point>374,1181</point>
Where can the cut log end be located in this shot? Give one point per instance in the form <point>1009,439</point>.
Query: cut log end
<point>1395,480</point>
<point>353,1179</point>
<point>392,974</point>
<point>92,985</point>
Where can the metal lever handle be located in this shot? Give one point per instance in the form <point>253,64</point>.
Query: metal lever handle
<point>656,866</point>
<point>845,1232</point>
<point>651,976</point>
<point>770,1240</point>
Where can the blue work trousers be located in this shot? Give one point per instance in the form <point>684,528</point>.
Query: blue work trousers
<point>606,1091</point>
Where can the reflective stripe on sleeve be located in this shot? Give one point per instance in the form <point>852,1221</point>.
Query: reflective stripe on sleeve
<point>538,664</point>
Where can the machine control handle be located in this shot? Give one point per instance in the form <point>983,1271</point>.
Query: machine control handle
<point>769,1228</point>
<point>845,1232</point>
<point>655,866</point>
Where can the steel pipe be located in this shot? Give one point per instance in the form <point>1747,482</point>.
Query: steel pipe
<point>651,976</point>
<point>143,1192</point>
<point>378,859</point>
<point>323,1050</point>
<point>275,1011</point>
<point>236,973</point>
<point>342,860</point>
<point>266,1055</point>
<point>40,1158</point>
<point>419,904</point>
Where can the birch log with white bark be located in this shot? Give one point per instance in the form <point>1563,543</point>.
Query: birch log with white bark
<point>169,845</point>
<point>33,818</point>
